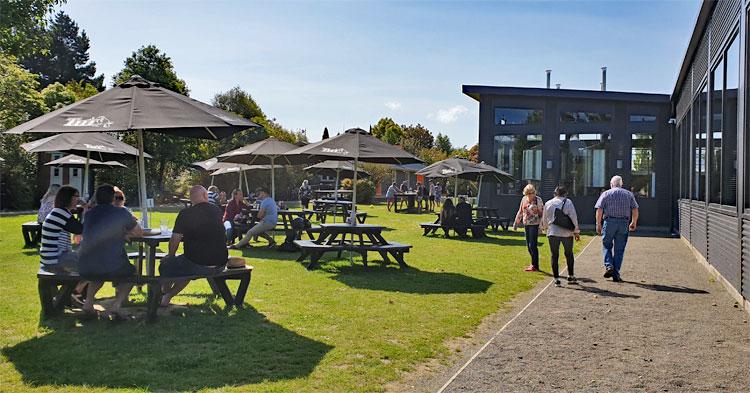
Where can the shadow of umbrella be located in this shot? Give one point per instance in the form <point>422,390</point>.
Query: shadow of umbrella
<point>197,352</point>
<point>409,280</point>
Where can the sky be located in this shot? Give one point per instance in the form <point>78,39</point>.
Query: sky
<point>344,64</point>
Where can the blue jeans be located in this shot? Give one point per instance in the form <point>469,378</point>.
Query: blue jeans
<point>532,243</point>
<point>614,239</point>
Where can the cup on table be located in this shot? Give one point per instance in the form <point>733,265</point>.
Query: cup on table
<point>163,226</point>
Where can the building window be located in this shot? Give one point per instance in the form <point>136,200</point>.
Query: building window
<point>642,118</point>
<point>729,124</point>
<point>516,116</point>
<point>585,117</point>
<point>583,163</point>
<point>75,172</point>
<point>699,146</point>
<point>521,156</point>
<point>642,173</point>
<point>55,172</point>
<point>717,87</point>
<point>685,156</point>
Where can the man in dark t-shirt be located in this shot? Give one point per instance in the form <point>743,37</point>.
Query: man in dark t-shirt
<point>200,229</point>
<point>463,216</point>
<point>102,253</point>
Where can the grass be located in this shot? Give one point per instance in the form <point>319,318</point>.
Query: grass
<point>342,328</point>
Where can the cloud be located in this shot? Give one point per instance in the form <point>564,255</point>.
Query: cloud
<point>450,115</point>
<point>393,105</point>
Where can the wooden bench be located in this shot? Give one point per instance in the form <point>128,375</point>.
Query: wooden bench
<point>315,251</point>
<point>495,222</point>
<point>477,230</point>
<point>32,233</point>
<point>55,289</point>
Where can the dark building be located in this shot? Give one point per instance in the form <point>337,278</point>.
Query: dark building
<point>685,156</point>
<point>579,139</point>
<point>712,142</point>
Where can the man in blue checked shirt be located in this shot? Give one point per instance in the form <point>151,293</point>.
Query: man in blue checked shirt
<point>618,210</point>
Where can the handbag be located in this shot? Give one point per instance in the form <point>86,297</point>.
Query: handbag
<point>561,219</point>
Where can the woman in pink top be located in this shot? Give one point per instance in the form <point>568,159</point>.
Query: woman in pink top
<point>530,214</point>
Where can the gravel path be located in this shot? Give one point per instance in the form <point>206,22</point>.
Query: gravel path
<point>669,328</point>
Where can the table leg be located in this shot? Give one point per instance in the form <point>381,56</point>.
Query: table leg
<point>151,264</point>
<point>152,300</point>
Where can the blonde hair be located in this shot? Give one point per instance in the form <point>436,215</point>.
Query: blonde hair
<point>529,189</point>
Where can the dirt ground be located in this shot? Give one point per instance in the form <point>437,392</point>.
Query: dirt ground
<point>670,327</point>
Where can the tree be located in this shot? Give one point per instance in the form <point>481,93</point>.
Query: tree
<point>57,96</point>
<point>387,130</point>
<point>238,101</point>
<point>22,25</point>
<point>461,152</point>
<point>443,143</point>
<point>474,153</point>
<point>66,58</point>
<point>432,155</point>
<point>19,102</point>
<point>81,89</point>
<point>416,138</point>
<point>150,63</point>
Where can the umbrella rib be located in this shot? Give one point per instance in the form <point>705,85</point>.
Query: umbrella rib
<point>132,108</point>
<point>210,132</point>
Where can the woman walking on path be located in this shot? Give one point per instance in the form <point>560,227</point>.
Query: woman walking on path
<point>530,214</point>
<point>305,194</point>
<point>561,224</point>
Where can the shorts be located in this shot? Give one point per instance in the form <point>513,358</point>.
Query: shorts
<point>67,263</point>
<point>391,199</point>
<point>180,266</point>
<point>118,276</point>
<point>432,198</point>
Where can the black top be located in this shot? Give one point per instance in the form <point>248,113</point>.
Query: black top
<point>203,234</point>
<point>102,249</point>
<point>463,214</point>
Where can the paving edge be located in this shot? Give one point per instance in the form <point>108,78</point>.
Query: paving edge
<point>733,292</point>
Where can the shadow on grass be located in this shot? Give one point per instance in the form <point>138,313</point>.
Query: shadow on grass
<point>500,241</point>
<point>409,280</point>
<point>186,352</point>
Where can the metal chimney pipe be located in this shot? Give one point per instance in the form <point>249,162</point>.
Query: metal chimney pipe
<point>549,77</point>
<point>557,85</point>
<point>604,78</point>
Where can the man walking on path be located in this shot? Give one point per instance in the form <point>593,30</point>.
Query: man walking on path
<point>618,211</point>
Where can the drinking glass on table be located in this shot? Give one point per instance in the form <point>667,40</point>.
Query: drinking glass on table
<point>164,226</point>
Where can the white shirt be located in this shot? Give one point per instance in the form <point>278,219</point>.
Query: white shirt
<point>549,215</point>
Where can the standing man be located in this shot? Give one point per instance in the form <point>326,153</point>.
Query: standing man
<point>618,210</point>
<point>268,217</point>
<point>390,196</point>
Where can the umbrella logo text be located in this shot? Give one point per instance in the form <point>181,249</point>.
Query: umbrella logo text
<point>339,151</point>
<point>97,147</point>
<point>99,122</point>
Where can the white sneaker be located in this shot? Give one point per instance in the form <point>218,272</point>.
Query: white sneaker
<point>557,282</point>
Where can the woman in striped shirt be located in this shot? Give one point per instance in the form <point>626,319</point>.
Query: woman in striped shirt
<point>56,252</point>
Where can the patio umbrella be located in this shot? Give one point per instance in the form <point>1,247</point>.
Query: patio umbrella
<point>238,168</point>
<point>72,160</point>
<point>464,169</point>
<point>336,168</point>
<point>99,145</point>
<point>353,145</point>
<point>139,105</point>
<point>264,152</point>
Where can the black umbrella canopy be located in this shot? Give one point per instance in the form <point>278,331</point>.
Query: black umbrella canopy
<point>72,160</point>
<point>99,145</point>
<point>330,167</point>
<point>464,169</point>
<point>234,168</point>
<point>343,147</point>
<point>139,104</point>
<point>260,153</point>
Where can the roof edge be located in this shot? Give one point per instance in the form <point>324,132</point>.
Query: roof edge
<point>475,92</point>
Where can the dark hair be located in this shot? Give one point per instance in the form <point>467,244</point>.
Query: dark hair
<point>560,191</point>
<point>263,189</point>
<point>236,191</point>
<point>64,196</point>
<point>104,195</point>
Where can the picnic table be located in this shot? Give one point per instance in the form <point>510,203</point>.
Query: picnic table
<point>330,194</point>
<point>411,202</point>
<point>360,238</point>
<point>492,216</point>
<point>323,207</point>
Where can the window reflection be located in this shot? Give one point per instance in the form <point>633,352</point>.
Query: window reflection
<point>583,163</point>
<point>521,156</point>
<point>585,117</point>
<point>699,146</point>
<point>642,118</point>
<point>515,116</point>
<point>642,173</point>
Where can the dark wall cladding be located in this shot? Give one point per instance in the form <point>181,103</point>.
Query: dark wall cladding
<point>724,247</point>
<point>685,218</point>
<point>746,258</point>
<point>698,235</point>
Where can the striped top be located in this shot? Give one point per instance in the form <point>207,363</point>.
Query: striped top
<point>616,202</point>
<point>56,231</point>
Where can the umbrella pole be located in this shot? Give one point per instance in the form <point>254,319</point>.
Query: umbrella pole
<point>86,177</point>
<point>479,189</point>
<point>353,216</point>
<point>336,193</point>
<point>212,180</point>
<point>239,186</point>
<point>455,188</point>
<point>247,185</point>
<point>273,181</point>
<point>142,181</point>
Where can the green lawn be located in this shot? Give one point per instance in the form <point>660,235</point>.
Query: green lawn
<point>342,328</point>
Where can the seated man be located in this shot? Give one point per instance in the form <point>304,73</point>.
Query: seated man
<point>56,253</point>
<point>267,220</point>
<point>463,216</point>
<point>204,243</point>
<point>102,253</point>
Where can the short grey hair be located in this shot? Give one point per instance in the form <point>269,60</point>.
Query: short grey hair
<point>616,181</point>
